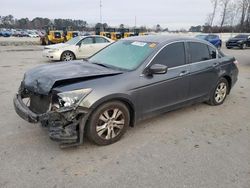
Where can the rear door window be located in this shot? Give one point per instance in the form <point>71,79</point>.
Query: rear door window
<point>100,40</point>
<point>172,55</point>
<point>198,52</point>
<point>88,40</point>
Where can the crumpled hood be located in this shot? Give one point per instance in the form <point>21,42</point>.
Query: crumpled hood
<point>42,78</point>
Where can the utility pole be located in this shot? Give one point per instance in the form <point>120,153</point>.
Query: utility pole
<point>101,11</point>
<point>135,21</point>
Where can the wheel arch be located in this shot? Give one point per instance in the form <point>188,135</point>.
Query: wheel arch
<point>229,80</point>
<point>121,98</point>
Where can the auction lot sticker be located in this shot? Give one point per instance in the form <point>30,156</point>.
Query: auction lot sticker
<point>141,44</point>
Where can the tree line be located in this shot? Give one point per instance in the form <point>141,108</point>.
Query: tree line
<point>10,22</point>
<point>231,16</point>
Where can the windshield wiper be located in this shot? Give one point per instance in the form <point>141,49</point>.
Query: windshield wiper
<point>85,59</point>
<point>100,64</point>
<point>108,66</point>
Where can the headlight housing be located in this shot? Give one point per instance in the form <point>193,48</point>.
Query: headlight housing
<point>70,98</point>
<point>240,41</point>
<point>53,50</point>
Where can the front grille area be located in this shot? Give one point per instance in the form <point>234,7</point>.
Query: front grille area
<point>39,103</point>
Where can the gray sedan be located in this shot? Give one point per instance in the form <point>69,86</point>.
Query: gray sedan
<point>126,82</point>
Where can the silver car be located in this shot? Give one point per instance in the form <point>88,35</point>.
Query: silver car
<point>77,48</point>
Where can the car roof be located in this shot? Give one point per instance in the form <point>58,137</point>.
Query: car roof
<point>162,39</point>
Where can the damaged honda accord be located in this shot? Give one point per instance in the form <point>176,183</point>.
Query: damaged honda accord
<point>128,81</point>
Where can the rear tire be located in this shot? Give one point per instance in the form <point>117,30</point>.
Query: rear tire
<point>108,123</point>
<point>220,93</point>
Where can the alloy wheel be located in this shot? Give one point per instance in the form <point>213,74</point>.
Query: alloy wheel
<point>67,56</point>
<point>221,92</point>
<point>110,123</point>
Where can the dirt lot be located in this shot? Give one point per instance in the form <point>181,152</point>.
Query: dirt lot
<point>198,146</point>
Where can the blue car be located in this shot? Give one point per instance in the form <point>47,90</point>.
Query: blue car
<point>5,33</point>
<point>213,39</point>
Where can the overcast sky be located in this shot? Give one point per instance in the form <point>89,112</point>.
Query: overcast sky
<point>174,14</point>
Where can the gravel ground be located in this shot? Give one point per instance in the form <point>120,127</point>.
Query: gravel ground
<point>19,41</point>
<point>197,146</point>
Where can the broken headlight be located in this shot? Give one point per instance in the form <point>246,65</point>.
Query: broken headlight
<point>69,98</point>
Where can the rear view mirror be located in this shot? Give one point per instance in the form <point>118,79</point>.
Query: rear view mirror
<point>157,69</point>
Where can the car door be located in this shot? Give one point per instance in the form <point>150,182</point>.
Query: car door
<point>160,91</point>
<point>86,47</point>
<point>203,66</point>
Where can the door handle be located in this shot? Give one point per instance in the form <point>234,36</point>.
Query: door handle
<point>183,73</point>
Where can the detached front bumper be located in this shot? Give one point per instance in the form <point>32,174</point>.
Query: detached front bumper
<point>64,125</point>
<point>23,111</point>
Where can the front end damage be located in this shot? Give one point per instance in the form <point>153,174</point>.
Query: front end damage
<point>65,124</point>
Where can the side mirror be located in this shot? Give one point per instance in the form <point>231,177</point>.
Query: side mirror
<point>157,69</point>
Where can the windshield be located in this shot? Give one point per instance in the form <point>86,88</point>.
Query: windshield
<point>201,36</point>
<point>126,55</point>
<point>73,41</point>
<point>241,36</point>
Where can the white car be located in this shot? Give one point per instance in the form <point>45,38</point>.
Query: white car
<point>77,48</point>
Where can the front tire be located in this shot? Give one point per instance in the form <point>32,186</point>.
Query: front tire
<point>67,56</point>
<point>243,46</point>
<point>108,123</point>
<point>220,93</point>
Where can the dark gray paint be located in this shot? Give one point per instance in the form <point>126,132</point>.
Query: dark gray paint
<point>42,78</point>
<point>149,95</point>
<point>146,95</point>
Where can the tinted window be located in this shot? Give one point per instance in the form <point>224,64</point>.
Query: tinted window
<point>172,55</point>
<point>212,37</point>
<point>57,35</point>
<point>198,52</point>
<point>100,40</point>
<point>241,36</point>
